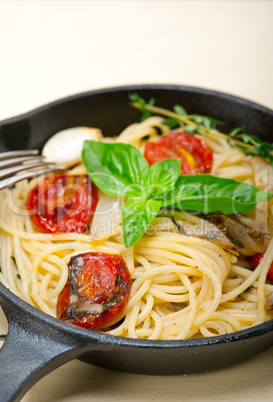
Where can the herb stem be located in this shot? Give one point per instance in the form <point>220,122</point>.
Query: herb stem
<point>188,120</point>
<point>159,110</point>
<point>233,141</point>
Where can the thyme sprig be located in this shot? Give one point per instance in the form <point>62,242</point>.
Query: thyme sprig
<point>204,126</point>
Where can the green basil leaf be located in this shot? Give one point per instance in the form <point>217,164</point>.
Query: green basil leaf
<point>146,113</point>
<point>117,169</point>
<point>191,129</point>
<point>171,122</point>
<point>261,148</point>
<point>207,122</point>
<point>236,131</point>
<point>206,193</point>
<point>180,110</point>
<point>137,214</point>
<point>136,99</point>
<point>162,176</point>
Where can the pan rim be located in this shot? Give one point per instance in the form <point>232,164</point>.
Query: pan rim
<point>126,88</point>
<point>107,339</point>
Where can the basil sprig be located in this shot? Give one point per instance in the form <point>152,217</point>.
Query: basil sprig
<point>121,170</point>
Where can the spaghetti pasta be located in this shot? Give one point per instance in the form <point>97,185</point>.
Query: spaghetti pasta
<point>183,286</point>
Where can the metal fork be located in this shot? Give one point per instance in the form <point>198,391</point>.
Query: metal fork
<point>20,165</point>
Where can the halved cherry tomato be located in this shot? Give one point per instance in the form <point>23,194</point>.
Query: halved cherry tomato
<point>96,291</point>
<point>196,156</point>
<point>63,203</point>
<point>255,261</point>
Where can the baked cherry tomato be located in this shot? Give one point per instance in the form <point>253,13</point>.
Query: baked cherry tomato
<point>62,203</point>
<point>196,156</point>
<point>96,291</point>
<point>255,261</point>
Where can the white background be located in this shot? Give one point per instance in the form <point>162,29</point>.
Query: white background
<point>50,49</point>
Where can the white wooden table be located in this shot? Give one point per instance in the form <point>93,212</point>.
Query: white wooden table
<point>50,49</point>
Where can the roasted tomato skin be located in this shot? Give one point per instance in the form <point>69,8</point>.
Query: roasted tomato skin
<point>96,292</point>
<point>196,156</point>
<point>255,261</point>
<point>62,203</point>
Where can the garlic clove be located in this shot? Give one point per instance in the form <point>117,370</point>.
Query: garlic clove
<point>65,147</point>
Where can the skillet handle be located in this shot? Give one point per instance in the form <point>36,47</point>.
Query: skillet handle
<point>31,350</point>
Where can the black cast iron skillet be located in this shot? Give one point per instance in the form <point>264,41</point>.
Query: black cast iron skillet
<point>36,343</point>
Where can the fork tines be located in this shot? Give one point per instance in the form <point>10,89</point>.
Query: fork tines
<point>14,154</point>
<point>25,161</point>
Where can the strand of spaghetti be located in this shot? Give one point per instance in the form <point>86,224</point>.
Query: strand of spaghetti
<point>230,283</point>
<point>42,255</point>
<point>143,261</point>
<point>44,236</point>
<point>130,259</point>
<point>189,266</point>
<point>241,288</point>
<point>146,309</point>
<point>18,252</point>
<point>147,127</point>
<point>24,282</point>
<point>41,304</point>
<point>203,315</point>
<point>52,269</point>
<point>167,277</point>
<point>210,274</point>
<point>192,310</point>
<point>157,326</point>
<point>56,281</point>
<point>204,290</point>
<point>244,173</point>
<point>172,328</point>
<point>143,333</point>
<point>26,290</point>
<point>139,288</point>
<point>9,268</point>
<point>240,270</point>
<point>27,225</point>
<point>232,156</point>
<point>243,305</point>
<point>181,298</point>
<point>227,318</point>
<point>156,259</point>
<point>43,285</point>
<point>117,246</point>
<point>216,326</point>
<point>133,314</point>
<point>218,145</point>
<point>216,261</point>
<point>250,298</point>
<point>33,249</point>
<point>170,241</point>
<point>247,316</point>
<point>146,323</point>
<point>167,245</point>
<point>121,329</point>
<point>173,321</point>
<point>172,289</point>
<point>49,294</point>
<point>265,264</point>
